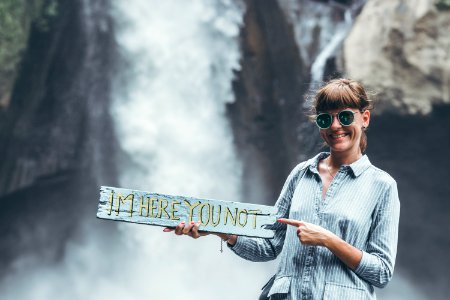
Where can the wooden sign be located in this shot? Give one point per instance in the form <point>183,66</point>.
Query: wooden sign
<point>164,210</point>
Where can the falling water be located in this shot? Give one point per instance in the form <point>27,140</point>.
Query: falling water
<point>178,59</point>
<point>170,116</point>
<point>330,48</point>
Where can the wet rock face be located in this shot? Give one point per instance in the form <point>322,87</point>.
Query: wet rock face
<point>405,56</point>
<point>314,24</point>
<point>56,137</point>
<point>398,49</point>
<point>56,110</point>
<point>268,108</point>
<point>280,41</point>
<point>413,149</point>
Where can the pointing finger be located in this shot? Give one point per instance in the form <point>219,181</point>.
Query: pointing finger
<point>292,222</point>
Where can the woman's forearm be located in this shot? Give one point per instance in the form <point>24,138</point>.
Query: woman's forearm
<point>229,238</point>
<point>348,254</point>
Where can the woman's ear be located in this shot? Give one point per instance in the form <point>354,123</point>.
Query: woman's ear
<point>366,118</point>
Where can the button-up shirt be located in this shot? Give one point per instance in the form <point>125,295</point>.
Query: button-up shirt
<point>361,206</point>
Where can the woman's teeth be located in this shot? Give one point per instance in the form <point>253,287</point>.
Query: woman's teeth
<point>336,136</point>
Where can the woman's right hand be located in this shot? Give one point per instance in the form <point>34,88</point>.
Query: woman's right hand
<point>191,229</point>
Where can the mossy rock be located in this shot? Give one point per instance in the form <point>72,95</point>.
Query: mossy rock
<point>16,17</point>
<point>443,4</point>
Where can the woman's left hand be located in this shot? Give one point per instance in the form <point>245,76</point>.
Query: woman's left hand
<point>309,234</point>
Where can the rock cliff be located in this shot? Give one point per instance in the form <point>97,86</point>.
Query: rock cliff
<point>400,50</point>
<point>16,18</point>
<point>268,108</point>
<point>59,100</point>
<point>56,138</point>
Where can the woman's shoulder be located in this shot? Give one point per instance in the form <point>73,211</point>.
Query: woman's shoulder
<point>380,176</point>
<point>300,168</point>
<point>306,163</point>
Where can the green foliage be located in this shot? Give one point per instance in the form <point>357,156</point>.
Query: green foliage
<point>45,13</point>
<point>16,17</point>
<point>14,24</point>
<point>443,4</point>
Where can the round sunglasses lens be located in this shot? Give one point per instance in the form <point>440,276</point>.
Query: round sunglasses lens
<point>346,117</point>
<point>323,120</point>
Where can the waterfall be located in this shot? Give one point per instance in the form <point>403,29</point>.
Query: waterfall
<point>170,117</point>
<point>171,89</point>
<point>318,66</point>
<point>170,108</point>
<point>330,44</point>
<point>328,50</point>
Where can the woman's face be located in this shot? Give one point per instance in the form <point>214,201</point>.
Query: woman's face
<point>345,139</point>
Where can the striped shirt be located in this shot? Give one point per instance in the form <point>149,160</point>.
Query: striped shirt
<point>361,206</point>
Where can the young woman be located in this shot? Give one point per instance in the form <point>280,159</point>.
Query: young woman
<point>338,214</point>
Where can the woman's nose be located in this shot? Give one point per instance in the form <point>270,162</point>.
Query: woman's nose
<point>335,123</point>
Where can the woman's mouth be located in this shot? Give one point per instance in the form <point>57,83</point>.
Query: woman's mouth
<point>336,136</point>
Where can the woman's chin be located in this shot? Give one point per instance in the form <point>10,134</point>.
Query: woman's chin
<point>341,147</point>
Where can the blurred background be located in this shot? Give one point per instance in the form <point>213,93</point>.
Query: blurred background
<point>206,98</point>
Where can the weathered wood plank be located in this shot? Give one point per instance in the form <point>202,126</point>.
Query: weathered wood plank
<point>166,210</point>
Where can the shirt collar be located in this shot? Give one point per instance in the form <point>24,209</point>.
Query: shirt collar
<point>360,165</point>
<point>357,167</point>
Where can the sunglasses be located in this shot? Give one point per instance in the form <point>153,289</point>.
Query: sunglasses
<point>346,118</point>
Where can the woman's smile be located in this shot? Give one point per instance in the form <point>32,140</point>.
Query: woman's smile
<point>338,136</point>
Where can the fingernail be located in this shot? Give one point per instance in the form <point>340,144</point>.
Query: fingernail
<point>166,229</point>
<point>199,223</point>
<point>192,222</point>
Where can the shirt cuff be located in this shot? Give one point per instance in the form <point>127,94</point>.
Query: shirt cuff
<point>238,246</point>
<point>368,265</point>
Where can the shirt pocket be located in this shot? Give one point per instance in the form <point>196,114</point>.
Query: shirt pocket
<point>337,291</point>
<point>266,288</point>
<point>280,285</point>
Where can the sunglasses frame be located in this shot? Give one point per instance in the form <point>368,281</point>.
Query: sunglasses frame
<point>334,115</point>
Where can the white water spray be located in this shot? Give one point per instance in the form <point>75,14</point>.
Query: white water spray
<point>327,51</point>
<point>330,48</point>
<point>169,110</point>
<point>171,122</point>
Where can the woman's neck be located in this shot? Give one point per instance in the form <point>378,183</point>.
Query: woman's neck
<point>337,159</point>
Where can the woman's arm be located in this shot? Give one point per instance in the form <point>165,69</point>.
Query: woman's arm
<point>349,255</point>
<point>376,263</point>
<point>256,249</point>
<point>378,259</point>
<point>311,234</point>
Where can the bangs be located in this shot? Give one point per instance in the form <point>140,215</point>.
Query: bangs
<point>338,95</point>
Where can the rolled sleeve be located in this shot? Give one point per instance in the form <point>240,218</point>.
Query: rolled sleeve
<point>238,247</point>
<point>259,249</point>
<point>369,269</point>
<point>254,249</point>
<point>378,259</point>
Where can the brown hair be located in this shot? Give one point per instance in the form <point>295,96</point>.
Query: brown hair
<point>343,93</point>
